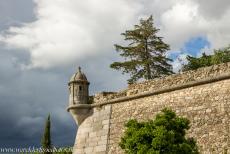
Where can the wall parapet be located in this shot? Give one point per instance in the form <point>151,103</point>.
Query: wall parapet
<point>165,84</point>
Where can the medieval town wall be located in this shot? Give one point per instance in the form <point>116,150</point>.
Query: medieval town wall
<point>203,96</point>
<point>93,133</point>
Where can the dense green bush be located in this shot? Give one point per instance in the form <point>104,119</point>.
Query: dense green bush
<point>164,135</point>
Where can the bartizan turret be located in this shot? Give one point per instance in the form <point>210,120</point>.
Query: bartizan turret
<point>79,97</point>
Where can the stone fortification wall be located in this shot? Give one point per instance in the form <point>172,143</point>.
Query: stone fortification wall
<point>92,134</point>
<point>203,96</point>
<point>165,82</point>
<point>206,106</point>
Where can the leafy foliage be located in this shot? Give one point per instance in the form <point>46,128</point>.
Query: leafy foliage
<point>46,139</point>
<point>145,55</point>
<point>219,56</point>
<point>164,135</point>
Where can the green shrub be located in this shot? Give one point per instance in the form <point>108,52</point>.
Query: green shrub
<point>219,56</point>
<point>164,135</point>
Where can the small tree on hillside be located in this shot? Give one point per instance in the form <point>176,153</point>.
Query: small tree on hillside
<point>195,63</point>
<point>219,56</point>
<point>46,139</point>
<point>164,135</point>
<point>145,55</point>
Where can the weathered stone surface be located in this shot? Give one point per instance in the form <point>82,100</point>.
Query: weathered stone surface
<point>92,135</point>
<point>206,105</point>
<point>164,82</point>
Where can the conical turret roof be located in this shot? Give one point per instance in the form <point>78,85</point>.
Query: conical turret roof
<point>78,76</point>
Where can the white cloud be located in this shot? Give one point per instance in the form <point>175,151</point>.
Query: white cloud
<point>207,50</point>
<point>187,19</point>
<point>178,23</point>
<point>218,31</point>
<point>213,9</point>
<point>69,31</point>
<point>179,61</point>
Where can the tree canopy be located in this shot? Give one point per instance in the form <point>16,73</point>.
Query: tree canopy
<point>145,54</point>
<point>164,135</point>
<point>219,56</point>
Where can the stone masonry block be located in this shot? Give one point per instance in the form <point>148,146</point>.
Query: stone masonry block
<point>100,148</point>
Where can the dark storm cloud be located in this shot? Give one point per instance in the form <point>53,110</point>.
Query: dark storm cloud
<point>26,98</point>
<point>14,12</point>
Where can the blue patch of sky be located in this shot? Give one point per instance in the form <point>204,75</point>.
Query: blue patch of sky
<point>194,45</point>
<point>191,47</point>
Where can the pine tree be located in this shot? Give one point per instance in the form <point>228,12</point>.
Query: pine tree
<point>145,55</point>
<point>46,139</point>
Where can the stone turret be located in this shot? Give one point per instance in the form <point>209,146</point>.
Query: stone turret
<point>79,88</point>
<point>79,96</point>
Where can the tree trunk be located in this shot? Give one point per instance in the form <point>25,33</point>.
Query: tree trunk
<point>147,58</point>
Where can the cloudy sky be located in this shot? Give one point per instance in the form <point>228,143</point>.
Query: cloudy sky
<point>43,41</point>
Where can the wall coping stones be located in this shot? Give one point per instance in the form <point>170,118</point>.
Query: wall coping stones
<point>164,82</point>
<point>207,80</point>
